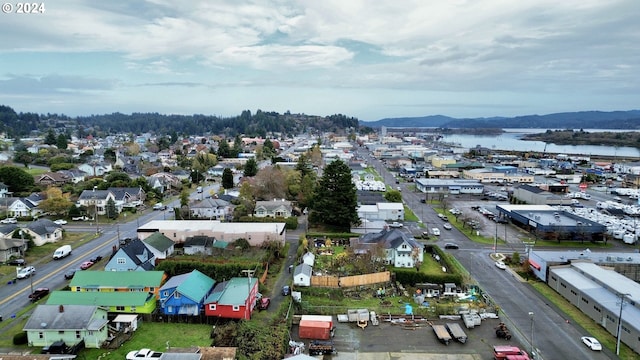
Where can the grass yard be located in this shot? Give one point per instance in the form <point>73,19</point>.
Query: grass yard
<point>156,336</point>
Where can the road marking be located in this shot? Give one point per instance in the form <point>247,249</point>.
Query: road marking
<point>55,272</point>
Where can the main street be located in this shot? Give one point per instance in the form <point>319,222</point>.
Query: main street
<point>50,273</point>
<point>553,337</point>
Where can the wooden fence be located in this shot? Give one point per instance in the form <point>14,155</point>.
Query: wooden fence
<point>350,281</point>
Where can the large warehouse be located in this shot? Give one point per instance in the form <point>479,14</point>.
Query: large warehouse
<point>547,223</point>
<point>597,292</point>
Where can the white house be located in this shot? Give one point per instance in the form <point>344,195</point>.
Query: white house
<point>302,275</point>
<point>381,211</point>
<point>96,200</point>
<point>161,246</point>
<point>400,250</point>
<point>213,209</point>
<point>274,208</point>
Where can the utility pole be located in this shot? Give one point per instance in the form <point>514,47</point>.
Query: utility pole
<point>622,304</point>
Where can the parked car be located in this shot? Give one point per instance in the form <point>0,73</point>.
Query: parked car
<point>592,343</point>
<point>286,290</point>
<point>9,221</point>
<point>85,265</point>
<point>70,273</point>
<point>26,272</point>
<point>395,224</point>
<point>96,259</point>
<point>447,226</point>
<point>435,231</point>
<point>61,222</point>
<point>38,294</point>
<point>451,246</point>
<point>500,265</point>
<point>17,262</point>
<point>263,303</point>
<point>80,218</point>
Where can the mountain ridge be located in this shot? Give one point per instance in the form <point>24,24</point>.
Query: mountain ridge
<point>621,119</point>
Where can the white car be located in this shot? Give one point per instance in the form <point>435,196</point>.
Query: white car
<point>447,226</point>
<point>435,231</point>
<point>592,343</point>
<point>26,272</point>
<point>500,265</point>
<point>395,224</point>
<point>60,222</point>
<point>9,221</point>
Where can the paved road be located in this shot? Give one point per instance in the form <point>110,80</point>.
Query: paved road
<point>552,336</point>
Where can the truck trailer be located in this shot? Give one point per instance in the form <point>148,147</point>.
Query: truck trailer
<point>456,331</point>
<point>442,333</point>
<point>318,327</point>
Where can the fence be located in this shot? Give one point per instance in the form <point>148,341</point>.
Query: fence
<point>350,281</point>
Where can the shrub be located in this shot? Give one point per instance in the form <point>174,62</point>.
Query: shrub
<point>20,338</point>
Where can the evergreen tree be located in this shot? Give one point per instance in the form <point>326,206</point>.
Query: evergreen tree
<point>61,142</point>
<point>227,178</point>
<point>250,167</point>
<point>223,149</point>
<point>111,210</point>
<point>50,138</point>
<point>335,202</point>
<point>16,179</point>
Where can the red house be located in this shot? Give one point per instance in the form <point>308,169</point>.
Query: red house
<point>233,299</point>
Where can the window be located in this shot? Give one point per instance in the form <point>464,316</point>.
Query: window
<point>236,307</point>
<point>91,332</point>
<point>176,295</point>
<point>585,300</point>
<point>574,293</point>
<point>170,309</point>
<point>40,335</point>
<point>152,289</point>
<point>212,307</point>
<point>121,261</point>
<point>597,308</point>
<point>133,309</point>
<point>60,332</point>
<point>119,308</point>
<point>78,336</point>
<point>563,285</point>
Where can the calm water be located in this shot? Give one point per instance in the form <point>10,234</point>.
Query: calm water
<point>510,140</point>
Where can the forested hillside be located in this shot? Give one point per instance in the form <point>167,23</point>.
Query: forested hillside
<point>258,124</point>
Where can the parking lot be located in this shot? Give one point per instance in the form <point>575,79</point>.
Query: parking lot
<point>399,342</point>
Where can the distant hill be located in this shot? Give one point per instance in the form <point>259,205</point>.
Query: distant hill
<point>568,120</point>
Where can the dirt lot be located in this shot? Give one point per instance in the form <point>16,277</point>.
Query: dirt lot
<point>388,341</point>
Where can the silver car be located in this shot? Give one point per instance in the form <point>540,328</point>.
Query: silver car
<point>26,272</point>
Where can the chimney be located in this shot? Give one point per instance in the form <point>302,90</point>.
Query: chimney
<point>61,308</point>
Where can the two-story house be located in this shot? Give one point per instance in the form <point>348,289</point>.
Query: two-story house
<point>112,281</point>
<point>128,197</point>
<point>133,256</point>
<point>96,200</point>
<point>213,209</point>
<point>161,246</point>
<point>135,302</point>
<point>392,247</point>
<point>185,294</point>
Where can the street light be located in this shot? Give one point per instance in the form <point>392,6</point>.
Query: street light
<point>622,303</point>
<point>533,354</point>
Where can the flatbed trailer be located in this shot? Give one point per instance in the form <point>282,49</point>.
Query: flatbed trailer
<point>320,347</point>
<point>442,333</point>
<point>456,331</point>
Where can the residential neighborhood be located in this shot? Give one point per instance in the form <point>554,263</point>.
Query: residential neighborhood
<point>227,247</point>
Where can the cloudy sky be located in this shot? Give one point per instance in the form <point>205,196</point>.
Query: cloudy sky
<point>368,59</point>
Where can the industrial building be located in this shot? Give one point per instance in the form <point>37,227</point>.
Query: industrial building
<point>449,186</point>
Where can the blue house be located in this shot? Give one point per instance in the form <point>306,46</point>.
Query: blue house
<point>185,294</point>
<point>133,256</point>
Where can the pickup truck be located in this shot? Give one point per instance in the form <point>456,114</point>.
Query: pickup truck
<point>143,354</point>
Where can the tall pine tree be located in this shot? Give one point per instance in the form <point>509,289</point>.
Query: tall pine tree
<point>335,202</point>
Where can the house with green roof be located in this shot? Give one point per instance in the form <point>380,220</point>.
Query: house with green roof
<point>233,299</point>
<point>115,281</point>
<point>185,294</point>
<point>161,246</point>
<point>116,302</point>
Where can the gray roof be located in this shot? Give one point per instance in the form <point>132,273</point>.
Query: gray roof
<point>72,317</point>
<point>303,269</point>
<point>94,194</point>
<point>210,203</point>
<point>43,226</point>
<point>390,239</point>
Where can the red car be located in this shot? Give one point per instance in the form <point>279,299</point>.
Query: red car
<point>263,303</point>
<point>85,265</point>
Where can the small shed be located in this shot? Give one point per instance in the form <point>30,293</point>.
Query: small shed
<point>302,275</point>
<point>309,259</point>
<point>126,322</point>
